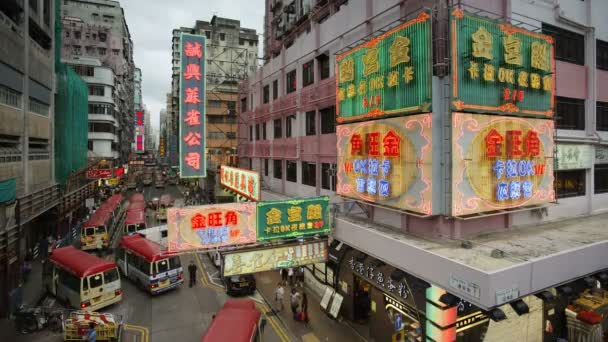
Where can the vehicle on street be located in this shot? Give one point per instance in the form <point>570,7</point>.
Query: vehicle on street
<point>82,280</point>
<point>143,262</point>
<point>216,257</point>
<point>135,220</point>
<point>243,284</point>
<point>236,321</point>
<point>159,181</point>
<point>96,232</point>
<point>132,181</point>
<point>166,201</point>
<point>136,197</point>
<point>147,179</point>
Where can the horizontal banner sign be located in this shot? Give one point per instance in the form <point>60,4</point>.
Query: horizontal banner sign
<point>99,174</point>
<point>244,182</point>
<point>293,218</point>
<point>262,260</point>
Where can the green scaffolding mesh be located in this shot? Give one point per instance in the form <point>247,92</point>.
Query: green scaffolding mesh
<point>71,123</point>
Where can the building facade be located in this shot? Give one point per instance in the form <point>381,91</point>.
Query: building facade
<point>288,133</point>
<point>98,29</point>
<point>137,99</point>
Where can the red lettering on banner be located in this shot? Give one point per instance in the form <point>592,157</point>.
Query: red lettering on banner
<point>192,96</point>
<point>250,185</point>
<point>231,218</point>
<point>193,159</point>
<point>506,94</point>
<point>243,184</point>
<point>234,233</point>
<point>493,141</point>
<point>193,71</point>
<point>193,117</point>
<point>193,138</point>
<point>531,144</point>
<point>348,167</point>
<point>373,143</point>
<point>215,219</point>
<point>356,144</point>
<point>391,144</point>
<point>193,49</point>
<point>539,169</point>
<point>514,143</point>
<point>520,95</point>
<point>198,221</point>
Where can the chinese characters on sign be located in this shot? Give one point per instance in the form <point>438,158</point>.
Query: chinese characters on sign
<point>139,132</point>
<point>387,161</point>
<point>572,157</point>
<point>244,182</point>
<point>500,162</point>
<point>499,68</point>
<point>388,75</point>
<point>293,218</point>
<point>280,257</point>
<point>211,226</point>
<point>379,277</point>
<point>192,107</point>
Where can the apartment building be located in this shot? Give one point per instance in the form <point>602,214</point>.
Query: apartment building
<point>531,261</point>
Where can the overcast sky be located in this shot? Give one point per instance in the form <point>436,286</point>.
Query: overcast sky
<point>151,23</point>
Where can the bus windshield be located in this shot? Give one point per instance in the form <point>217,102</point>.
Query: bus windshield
<point>167,264</point>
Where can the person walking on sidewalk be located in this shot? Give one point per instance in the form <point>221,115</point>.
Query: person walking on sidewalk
<point>284,276</point>
<point>291,275</point>
<point>279,294</point>
<point>295,302</point>
<point>304,307</point>
<point>192,272</point>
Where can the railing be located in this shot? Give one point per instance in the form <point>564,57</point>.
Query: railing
<point>36,203</point>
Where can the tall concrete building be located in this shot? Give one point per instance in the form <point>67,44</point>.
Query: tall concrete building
<point>137,99</point>
<point>232,53</point>
<point>478,276</point>
<point>98,29</point>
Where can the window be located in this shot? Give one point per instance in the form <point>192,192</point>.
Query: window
<point>214,104</point>
<point>600,176</point>
<point>10,97</point>
<point>243,104</point>
<point>290,81</point>
<point>266,167</point>
<point>162,266</point>
<point>102,37</point>
<point>84,70</point>
<point>328,120</point>
<point>275,89</point>
<point>89,50</point>
<point>77,34</point>
<point>101,108</point>
<point>292,170</point>
<point>250,133</point>
<point>277,170</point>
<point>241,41</point>
<point>570,113</point>
<point>110,275</point>
<point>69,280</point>
<point>76,50</point>
<point>230,135</point>
<point>102,127</point>
<point>278,133</point>
<point>101,51</point>
<point>309,173</point>
<point>308,73</point>
<point>95,281</point>
<point>257,131</point>
<point>222,36</point>
<point>602,55</point>
<point>310,123</point>
<point>115,52</point>
<point>96,90</point>
<point>38,107</point>
<point>264,131</point>
<point>289,123</point>
<point>67,34</point>
<point>208,34</point>
<point>570,183</point>
<point>90,145</point>
<point>601,116</point>
<point>323,65</point>
<point>266,94</point>
<point>569,46</point>
<point>328,176</point>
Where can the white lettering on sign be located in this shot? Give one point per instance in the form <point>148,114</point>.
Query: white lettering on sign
<point>467,287</point>
<point>506,295</point>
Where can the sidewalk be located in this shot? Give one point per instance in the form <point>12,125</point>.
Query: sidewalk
<point>320,326</point>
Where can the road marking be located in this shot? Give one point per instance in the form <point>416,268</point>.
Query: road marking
<point>204,275</point>
<point>145,334</point>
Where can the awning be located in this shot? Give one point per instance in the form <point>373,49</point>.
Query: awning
<point>8,190</point>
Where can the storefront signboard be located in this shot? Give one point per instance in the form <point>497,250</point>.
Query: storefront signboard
<point>388,162</point>
<point>467,287</point>
<point>329,292</point>
<point>388,75</point>
<point>140,132</point>
<point>469,321</point>
<point>506,295</point>
<point>336,303</point>
<point>244,182</point>
<point>291,219</point>
<point>499,68</point>
<point>500,162</point>
<point>192,129</point>
<point>210,226</point>
<point>572,157</point>
<point>601,155</point>
<point>262,260</point>
<point>99,174</point>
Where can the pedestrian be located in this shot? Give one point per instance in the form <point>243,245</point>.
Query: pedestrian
<point>290,274</point>
<point>92,333</point>
<point>304,307</point>
<point>192,271</point>
<point>295,302</point>
<point>284,276</point>
<point>279,294</point>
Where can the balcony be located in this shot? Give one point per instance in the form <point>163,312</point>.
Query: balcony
<point>285,148</point>
<point>284,104</point>
<point>322,93</point>
<point>262,111</point>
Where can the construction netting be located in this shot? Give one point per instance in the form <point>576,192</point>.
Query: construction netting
<point>71,123</point>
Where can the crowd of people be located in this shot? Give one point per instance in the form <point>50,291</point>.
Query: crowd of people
<point>298,298</point>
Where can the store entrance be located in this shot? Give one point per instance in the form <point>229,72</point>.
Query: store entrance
<point>362,300</point>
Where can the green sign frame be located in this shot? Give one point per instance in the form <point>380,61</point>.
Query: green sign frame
<point>292,218</point>
<point>388,75</point>
<point>500,69</point>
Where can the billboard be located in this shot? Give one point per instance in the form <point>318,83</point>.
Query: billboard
<point>243,182</point>
<point>500,69</point>
<point>192,130</point>
<point>500,162</point>
<point>293,218</point>
<point>387,75</point>
<point>268,259</point>
<point>99,174</point>
<point>161,147</point>
<point>388,162</point>
<point>140,132</point>
<point>210,226</point>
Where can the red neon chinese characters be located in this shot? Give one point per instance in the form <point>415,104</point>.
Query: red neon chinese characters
<point>373,143</point>
<point>193,117</point>
<point>215,219</point>
<point>250,184</point>
<point>193,49</point>
<point>197,221</point>
<point>514,143</point>
<point>520,95</point>
<point>193,138</point>
<point>493,141</point>
<point>193,159</point>
<point>531,144</point>
<point>193,71</point>
<point>192,96</point>
<point>391,143</point>
<point>356,144</point>
<point>230,218</point>
<point>243,184</point>
<point>506,94</point>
